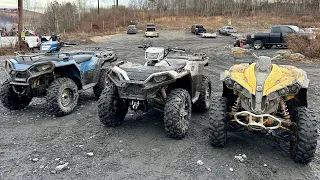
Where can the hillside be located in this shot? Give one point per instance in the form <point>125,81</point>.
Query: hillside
<point>9,18</point>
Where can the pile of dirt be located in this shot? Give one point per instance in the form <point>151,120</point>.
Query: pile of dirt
<point>289,55</point>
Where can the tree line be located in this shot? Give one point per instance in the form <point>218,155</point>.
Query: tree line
<point>229,7</point>
<point>77,15</point>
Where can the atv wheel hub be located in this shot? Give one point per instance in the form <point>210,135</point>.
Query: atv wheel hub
<point>67,97</point>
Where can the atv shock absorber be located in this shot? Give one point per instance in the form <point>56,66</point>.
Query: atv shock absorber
<point>163,93</point>
<point>284,110</point>
<point>236,106</point>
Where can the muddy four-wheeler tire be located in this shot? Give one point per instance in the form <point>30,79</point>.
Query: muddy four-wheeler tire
<point>204,102</point>
<point>101,84</point>
<point>111,109</point>
<point>12,100</point>
<point>177,113</point>
<point>218,122</point>
<point>62,96</point>
<point>257,44</point>
<point>304,137</point>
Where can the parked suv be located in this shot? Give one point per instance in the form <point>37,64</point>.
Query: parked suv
<point>197,29</point>
<point>151,31</point>
<point>132,29</point>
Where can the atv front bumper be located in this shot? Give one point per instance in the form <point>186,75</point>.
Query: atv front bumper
<point>24,89</point>
<point>257,122</point>
<point>29,84</point>
<point>140,90</point>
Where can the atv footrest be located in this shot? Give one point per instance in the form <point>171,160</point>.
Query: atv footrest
<point>19,84</point>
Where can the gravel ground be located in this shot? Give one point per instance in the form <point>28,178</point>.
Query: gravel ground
<point>34,143</point>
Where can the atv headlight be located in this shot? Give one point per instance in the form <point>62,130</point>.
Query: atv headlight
<point>229,83</point>
<point>283,92</point>
<point>159,79</point>
<point>293,89</point>
<point>238,87</point>
<point>41,68</point>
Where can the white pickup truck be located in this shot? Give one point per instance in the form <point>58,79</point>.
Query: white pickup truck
<point>10,41</point>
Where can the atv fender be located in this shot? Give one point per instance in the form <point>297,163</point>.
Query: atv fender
<point>70,71</point>
<point>301,98</point>
<point>184,82</point>
<point>229,95</point>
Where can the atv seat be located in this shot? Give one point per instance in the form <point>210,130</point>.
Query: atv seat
<point>80,58</point>
<point>177,62</point>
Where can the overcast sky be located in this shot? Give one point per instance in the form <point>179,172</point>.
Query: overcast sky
<point>42,3</point>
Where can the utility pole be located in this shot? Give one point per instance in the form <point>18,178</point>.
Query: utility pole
<point>20,14</point>
<point>98,9</point>
<point>117,3</point>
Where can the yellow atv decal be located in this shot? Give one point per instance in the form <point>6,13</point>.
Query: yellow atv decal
<point>244,75</point>
<point>296,73</point>
<point>277,79</point>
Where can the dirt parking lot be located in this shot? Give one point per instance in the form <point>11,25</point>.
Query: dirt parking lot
<point>33,143</point>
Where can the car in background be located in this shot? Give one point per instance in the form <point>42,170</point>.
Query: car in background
<point>227,30</point>
<point>208,35</point>
<point>132,29</point>
<point>151,31</point>
<point>197,29</point>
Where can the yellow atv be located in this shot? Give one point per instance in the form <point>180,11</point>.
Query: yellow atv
<point>268,98</point>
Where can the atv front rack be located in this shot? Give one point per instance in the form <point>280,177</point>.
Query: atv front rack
<point>258,122</point>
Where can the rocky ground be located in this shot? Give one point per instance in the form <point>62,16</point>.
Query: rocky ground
<point>35,145</point>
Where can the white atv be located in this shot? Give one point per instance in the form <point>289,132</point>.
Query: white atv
<point>172,83</point>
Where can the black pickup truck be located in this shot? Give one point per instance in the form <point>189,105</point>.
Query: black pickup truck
<point>275,37</point>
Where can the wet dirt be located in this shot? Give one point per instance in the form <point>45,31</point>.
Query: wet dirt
<point>32,142</point>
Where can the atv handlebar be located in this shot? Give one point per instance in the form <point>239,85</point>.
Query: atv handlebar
<point>250,51</point>
<point>177,49</point>
<point>144,47</point>
<point>276,57</point>
<point>18,53</point>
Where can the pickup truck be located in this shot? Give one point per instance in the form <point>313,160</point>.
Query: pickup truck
<point>10,41</point>
<point>275,37</point>
<point>197,29</point>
